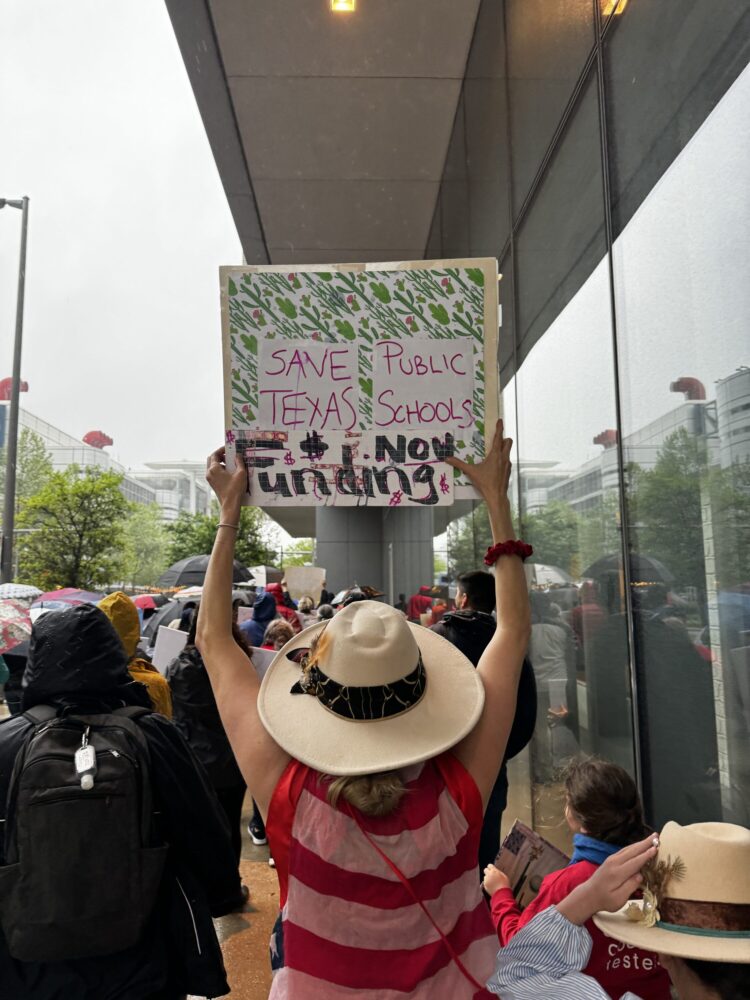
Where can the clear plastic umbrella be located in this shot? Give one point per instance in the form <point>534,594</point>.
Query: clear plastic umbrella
<point>15,625</point>
<point>22,592</point>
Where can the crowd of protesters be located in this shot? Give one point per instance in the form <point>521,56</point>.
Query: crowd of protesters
<point>373,744</point>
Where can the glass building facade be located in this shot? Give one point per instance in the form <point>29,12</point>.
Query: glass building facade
<point>600,151</point>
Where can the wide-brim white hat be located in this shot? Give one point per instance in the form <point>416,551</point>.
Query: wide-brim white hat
<point>705,914</point>
<point>372,657</point>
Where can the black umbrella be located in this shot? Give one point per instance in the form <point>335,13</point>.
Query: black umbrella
<point>643,569</point>
<point>191,572</point>
<point>163,616</point>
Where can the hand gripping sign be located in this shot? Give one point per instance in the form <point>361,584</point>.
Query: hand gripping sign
<point>349,385</point>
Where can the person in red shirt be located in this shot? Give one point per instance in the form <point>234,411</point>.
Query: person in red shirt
<point>604,812</point>
<point>282,609</point>
<point>419,604</point>
<point>439,608</point>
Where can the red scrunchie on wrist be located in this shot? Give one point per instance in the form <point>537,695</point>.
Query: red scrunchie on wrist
<point>514,547</point>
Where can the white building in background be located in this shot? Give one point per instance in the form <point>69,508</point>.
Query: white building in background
<point>65,450</point>
<point>723,423</point>
<point>179,486</point>
<point>173,486</point>
<point>733,416</point>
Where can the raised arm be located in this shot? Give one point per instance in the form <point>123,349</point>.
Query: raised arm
<point>482,751</point>
<point>233,677</point>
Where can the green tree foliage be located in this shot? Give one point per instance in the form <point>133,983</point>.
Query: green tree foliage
<point>439,563</point>
<point>75,530</point>
<point>33,466</point>
<point>683,501</point>
<point>553,531</point>
<point>468,538</point>
<point>301,553</point>
<point>145,545</point>
<point>665,507</point>
<point>599,532</point>
<point>730,512</point>
<point>193,534</point>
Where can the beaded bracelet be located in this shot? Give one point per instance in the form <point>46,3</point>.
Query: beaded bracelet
<point>513,547</point>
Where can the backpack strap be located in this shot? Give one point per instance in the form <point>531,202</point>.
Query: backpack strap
<point>37,715</point>
<point>40,713</point>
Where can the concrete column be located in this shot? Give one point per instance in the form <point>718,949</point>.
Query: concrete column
<point>371,545</point>
<point>408,535</point>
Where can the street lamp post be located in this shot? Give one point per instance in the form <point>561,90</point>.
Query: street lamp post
<point>9,511</point>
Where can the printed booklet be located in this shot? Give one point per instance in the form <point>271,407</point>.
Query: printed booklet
<point>526,858</point>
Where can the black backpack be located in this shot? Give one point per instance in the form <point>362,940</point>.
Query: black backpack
<point>81,873</point>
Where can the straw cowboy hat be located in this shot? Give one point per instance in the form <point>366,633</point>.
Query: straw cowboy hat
<point>696,897</point>
<point>384,693</point>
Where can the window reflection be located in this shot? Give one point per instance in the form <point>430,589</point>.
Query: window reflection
<point>570,514</point>
<point>686,401</point>
<point>650,619</point>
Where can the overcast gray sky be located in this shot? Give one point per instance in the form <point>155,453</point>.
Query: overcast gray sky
<point>128,227</point>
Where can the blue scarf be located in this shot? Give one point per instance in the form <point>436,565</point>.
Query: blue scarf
<point>589,849</point>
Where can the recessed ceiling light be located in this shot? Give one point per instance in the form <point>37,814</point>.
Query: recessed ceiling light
<point>344,6</point>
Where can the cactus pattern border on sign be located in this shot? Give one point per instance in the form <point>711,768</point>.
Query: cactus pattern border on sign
<point>359,304</point>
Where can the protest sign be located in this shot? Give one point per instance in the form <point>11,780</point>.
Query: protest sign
<point>261,659</point>
<point>305,581</point>
<point>349,385</point>
<point>170,642</point>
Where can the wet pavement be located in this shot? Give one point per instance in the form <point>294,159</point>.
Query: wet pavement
<point>244,936</point>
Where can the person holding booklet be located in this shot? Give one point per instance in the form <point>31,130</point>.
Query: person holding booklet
<point>371,748</point>
<point>695,887</point>
<point>604,812</point>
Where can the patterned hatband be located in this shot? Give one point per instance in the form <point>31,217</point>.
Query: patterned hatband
<point>379,701</point>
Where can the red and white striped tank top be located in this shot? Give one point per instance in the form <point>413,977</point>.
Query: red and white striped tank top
<point>350,926</point>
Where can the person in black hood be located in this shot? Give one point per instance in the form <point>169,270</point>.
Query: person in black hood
<point>77,663</point>
<point>470,629</point>
<point>196,716</point>
<point>15,661</point>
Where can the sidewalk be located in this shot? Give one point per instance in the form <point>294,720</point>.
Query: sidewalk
<point>244,936</point>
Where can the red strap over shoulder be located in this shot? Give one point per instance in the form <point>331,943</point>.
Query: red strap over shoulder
<point>462,789</point>
<point>410,889</point>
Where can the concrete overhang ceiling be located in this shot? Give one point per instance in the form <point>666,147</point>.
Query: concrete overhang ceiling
<point>329,131</point>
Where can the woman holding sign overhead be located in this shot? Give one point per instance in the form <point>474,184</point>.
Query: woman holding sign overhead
<point>371,748</point>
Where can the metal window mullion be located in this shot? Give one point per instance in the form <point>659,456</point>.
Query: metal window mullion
<point>623,507</point>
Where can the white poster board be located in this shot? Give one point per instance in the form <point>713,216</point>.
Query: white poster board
<point>262,659</point>
<point>170,642</point>
<point>305,581</point>
<point>350,384</point>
